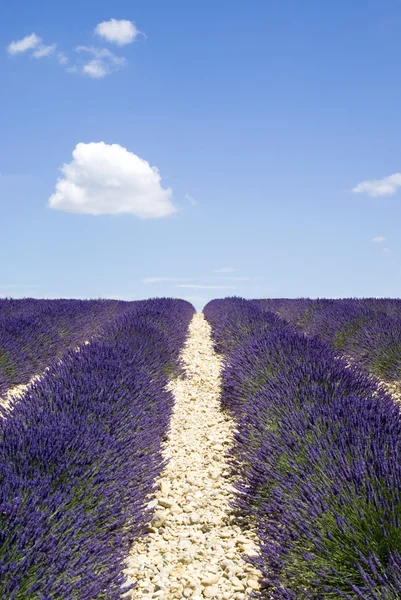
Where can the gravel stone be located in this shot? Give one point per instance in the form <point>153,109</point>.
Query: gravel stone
<point>194,548</point>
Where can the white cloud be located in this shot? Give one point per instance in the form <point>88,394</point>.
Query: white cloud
<point>108,179</point>
<point>205,287</point>
<point>103,53</point>
<point>31,42</point>
<point>378,239</point>
<point>27,43</point>
<point>191,199</point>
<point>120,32</point>
<point>62,58</point>
<point>165,279</point>
<point>225,270</point>
<point>379,187</point>
<point>96,68</point>
<point>240,278</point>
<point>43,50</point>
<point>103,62</point>
<point>385,250</point>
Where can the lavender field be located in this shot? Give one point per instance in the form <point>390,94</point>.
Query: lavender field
<point>252,451</point>
<point>200,300</point>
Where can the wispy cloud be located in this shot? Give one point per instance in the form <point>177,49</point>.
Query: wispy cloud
<point>196,286</point>
<point>166,279</point>
<point>224,270</point>
<point>240,278</point>
<point>191,199</point>
<point>31,42</point>
<point>379,187</point>
<point>62,58</point>
<point>103,62</point>
<point>27,43</point>
<point>43,50</point>
<point>379,239</point>
<point>120,32</point>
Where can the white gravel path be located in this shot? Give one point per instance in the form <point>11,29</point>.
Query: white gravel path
<point>194,549</point>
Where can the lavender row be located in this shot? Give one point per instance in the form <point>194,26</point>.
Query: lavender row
<point>317,457</point>
<point>35,332</point>
<point>80,453</point>
<point>368,330</point>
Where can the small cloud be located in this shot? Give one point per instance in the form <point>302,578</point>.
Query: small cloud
<point>62,58</point>
<point>31,42</point>
<point>43,50</point>
<point>240,278</point>
<point>27,43</point>
<point>120,32</point>
<point>96,68</point>
<point>107,179</point>
<point>385,251</point>
<point>103,62</point>
<point>205,287</point>
<point>379,187</point>
<point>225,270</point>
<point>378,239</point>
<point>191,199</point>
<point>166,279</point>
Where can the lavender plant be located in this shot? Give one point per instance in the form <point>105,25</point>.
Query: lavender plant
<point>79,455</point>
<point>317,457</point>
<point>33,332</point>
<point>366,330</point>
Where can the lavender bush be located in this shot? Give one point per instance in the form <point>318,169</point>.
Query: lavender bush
<point>79,454</point>
<point>35,332</point>
<point>234,320</point>
<point>367,330</point>
<point>317,455</point>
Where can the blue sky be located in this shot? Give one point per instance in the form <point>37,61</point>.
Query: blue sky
<point>265,120</point>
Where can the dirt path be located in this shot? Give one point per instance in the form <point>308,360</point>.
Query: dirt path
<point>194,549</point>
